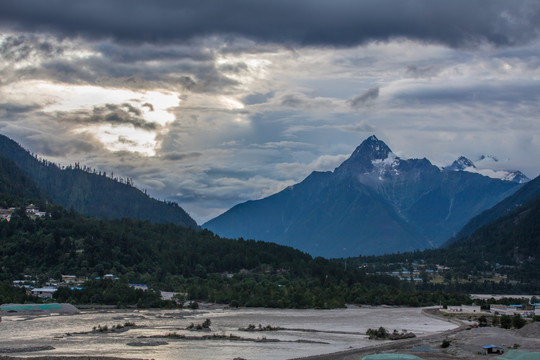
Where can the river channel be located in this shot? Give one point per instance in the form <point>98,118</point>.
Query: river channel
<point>307,332</point>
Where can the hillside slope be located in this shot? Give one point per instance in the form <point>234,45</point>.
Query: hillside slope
<point>90,193</point>
<point>17,189</point>
<point>512,240</point>
<point>524,194</point>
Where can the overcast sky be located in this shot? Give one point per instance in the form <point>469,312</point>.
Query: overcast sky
<point>212,103</point>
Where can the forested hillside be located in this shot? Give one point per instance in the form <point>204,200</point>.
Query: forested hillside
<point>520,197</point>
<point>206,267</point>
<point>500,257</point>
<point>93,193</point>
<point>17,189</point>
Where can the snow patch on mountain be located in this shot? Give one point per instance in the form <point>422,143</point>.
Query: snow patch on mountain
<point>386,166</point>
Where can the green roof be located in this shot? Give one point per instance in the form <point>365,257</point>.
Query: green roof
<point>520,355</point>
<point>391,357</point>
<point>31,307</point>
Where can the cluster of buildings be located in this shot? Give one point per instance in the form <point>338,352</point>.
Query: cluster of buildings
<point>528,310</point>
<point>49,288</point>
<point>420,272</point>
<point>32,212</point>
<point>73,282</point>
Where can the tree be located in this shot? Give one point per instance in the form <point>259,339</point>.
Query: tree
<point>518,322</point>
<point>506,322</point>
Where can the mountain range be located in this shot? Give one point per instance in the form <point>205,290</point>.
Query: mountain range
<point>464,164</point>
<point>373,203</point>
<point>91,193</point>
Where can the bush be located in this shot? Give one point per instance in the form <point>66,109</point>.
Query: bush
<point>506,322</point>
<point>380,333</point>
<point>193,305</point>
<point>518,322</point>
<point>445,344</point>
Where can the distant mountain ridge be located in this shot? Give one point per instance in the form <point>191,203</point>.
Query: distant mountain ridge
<point>92,194</point>
<point>464,164</point>
<point>373,203</point>
<point>503,208</point>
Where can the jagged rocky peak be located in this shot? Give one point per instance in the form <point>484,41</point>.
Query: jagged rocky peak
<point>370,152</point>
<point>516,176</point>
<point>373,149</point>
<point>373,155</point>
<point>461,164</point>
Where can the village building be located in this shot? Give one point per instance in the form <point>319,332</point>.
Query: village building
<point>464,309</point>
<point>493,349</point>
<point>44,293</point>
<point>137,286</point>
<point>5,214</point>
<point>524,311</point>
<point>110,277</point>
<point>68,279</point>
<point>33,211</point>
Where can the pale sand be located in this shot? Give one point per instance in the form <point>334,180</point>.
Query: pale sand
<point>466,343</point>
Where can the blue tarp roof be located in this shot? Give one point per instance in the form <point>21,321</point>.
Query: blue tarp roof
<point>493,347</point>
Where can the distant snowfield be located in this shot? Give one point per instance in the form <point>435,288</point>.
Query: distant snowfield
<point>351,324</point>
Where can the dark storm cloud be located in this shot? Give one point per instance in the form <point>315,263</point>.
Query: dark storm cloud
<point>257,98</point>
<point>421,71</point>
<point>149,106</point>
<point>364,98</point>
<point>21,47</point>
<point>59,145</point>
<point>16,109</point>
<point>502,92</point>
<point>307,22</point>
<point>293,101</point>
<point>113,114</point>
<point>181,156</point>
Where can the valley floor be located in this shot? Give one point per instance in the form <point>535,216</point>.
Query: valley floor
<point>337,333</point>
<point>465,343</point>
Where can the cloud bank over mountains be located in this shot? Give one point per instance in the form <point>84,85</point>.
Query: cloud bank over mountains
<point>212,103</point>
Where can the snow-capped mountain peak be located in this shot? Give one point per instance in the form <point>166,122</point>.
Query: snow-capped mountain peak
<point>460,164</point>
<point>487,165</point>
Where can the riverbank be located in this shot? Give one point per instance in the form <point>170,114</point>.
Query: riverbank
<point>288,333</point>
<point>464,342</point>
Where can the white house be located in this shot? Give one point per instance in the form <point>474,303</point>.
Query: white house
<point>465,309</point>
<point>45,292</point>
